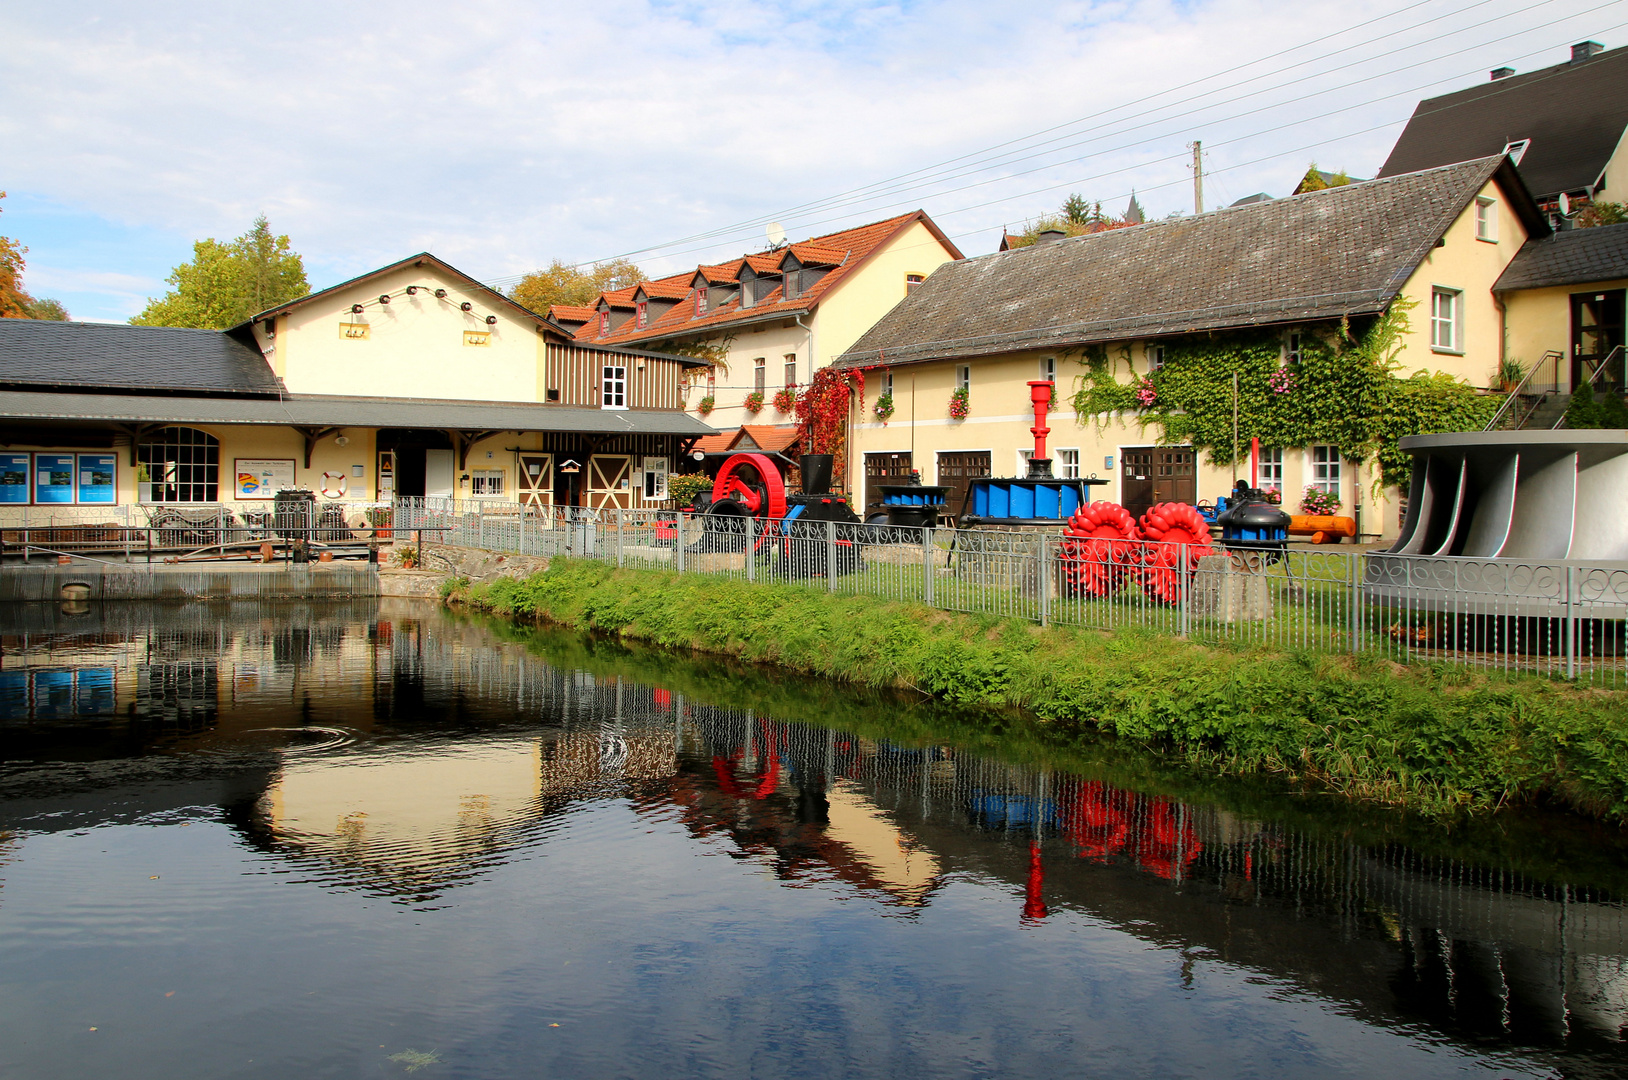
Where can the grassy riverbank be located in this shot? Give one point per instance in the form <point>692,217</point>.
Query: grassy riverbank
<point>1434,738</point>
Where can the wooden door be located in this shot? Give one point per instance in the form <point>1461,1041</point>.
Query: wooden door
<point>610,481</point>
<point>1596,332</point>
<point>957,469</point>
<point>536,488</point>
<point>884,469</point>
<point>1156,474</point>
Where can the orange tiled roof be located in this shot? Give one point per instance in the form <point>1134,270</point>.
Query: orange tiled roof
<point>810,254</point>
<point>571,313</point>
<point>668,288</point>
<point>855,245</point>
<point>772,438</point>
<point>716,444</point>
<point>619,297</point>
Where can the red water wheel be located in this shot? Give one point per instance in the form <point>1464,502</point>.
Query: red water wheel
<point>1100,547</point>
<point>1176,536</point>
<point>749,486</point>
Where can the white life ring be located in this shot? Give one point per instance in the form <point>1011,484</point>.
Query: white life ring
<point>334,485</point>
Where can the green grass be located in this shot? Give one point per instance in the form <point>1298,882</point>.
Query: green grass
<point>1436,738</point>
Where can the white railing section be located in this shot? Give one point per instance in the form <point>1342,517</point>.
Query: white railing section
<point>1565,620</point>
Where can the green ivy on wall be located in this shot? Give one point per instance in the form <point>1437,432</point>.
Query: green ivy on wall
<point>1343,391</point>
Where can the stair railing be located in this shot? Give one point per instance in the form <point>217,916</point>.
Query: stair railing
<point>1593,377</point>
<point>1551,360</point>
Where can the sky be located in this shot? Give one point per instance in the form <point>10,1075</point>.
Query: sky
<point>501,135</point>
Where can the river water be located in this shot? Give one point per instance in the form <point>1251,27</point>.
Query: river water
<point>378,839</point>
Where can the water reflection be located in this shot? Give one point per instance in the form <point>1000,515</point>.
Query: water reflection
<point>392,751</point>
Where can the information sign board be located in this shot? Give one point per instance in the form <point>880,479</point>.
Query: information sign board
<point>53,478</point>
<point>262,478</point>
<point>96,479</point>
<point>14,486</point>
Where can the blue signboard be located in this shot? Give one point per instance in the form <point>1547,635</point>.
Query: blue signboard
<point>53,478</point>
<point>14,478</point>
<point>96,475</point>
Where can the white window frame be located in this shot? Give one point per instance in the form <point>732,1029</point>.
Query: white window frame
<point>612,386</point>
<point>655,477</point>
<point>1271,469</point>
<point>1067,466</point>
<point>887,383</point>
<point>1324,467</point>
<point>641,315</point>
<point>1294,344</point>
<point>486,483</point>
<point>911,281</point>
<point>1024,457</point>
<point>791,370</point>
<point>760,372</point>
<point>963,377</point>
<point>1447,329</point>
<point>1155,353</point>
<point>1486,219</point>
<point>1048,368</point>
<point>1517,149</point>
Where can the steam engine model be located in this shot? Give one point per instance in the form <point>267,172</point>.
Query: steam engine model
<point>751,511</point>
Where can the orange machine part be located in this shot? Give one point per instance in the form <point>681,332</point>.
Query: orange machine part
<point>1321,529</point>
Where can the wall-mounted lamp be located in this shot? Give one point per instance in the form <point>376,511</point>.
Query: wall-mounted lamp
<point>466,306</point>
<point>343,440</point>
<point>440,294</point>
<point>464,479</point>
<point>412,290</point>
<point>356,309</point>
<point>384,298</point>
<point>491,320</point>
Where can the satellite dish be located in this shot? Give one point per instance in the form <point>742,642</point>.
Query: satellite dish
<point>1565,205</point>
<point>777,235</point>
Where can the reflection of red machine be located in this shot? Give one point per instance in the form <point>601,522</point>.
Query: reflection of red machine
<point>1103,821</point>
<point>733,785</point>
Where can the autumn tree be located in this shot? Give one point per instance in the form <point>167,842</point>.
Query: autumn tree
<point>1318,180</point>
<point>15,303</point>
<point>1076,217</point>
<point>563,283</point>
<point>227,284</point>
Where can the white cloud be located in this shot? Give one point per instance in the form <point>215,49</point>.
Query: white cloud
<point>501,134</point>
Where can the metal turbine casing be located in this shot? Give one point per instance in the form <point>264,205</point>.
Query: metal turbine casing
<point>1495,517</point>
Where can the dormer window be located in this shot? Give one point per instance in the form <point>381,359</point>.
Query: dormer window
<point>604,323</point>
<point>1517,150</point>
<point>641,315</point>
<point>700,301</point>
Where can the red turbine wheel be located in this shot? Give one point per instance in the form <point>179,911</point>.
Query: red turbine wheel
<point>752,483</point>
<point>1172,530</point>
<point>1099,547</point>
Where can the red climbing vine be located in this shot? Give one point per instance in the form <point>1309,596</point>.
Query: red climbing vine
<point>823,410</point>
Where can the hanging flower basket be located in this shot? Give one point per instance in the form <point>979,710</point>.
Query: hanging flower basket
<point>1280,381</point>
<point>705,405</point>
<point>754,401</point>
<point>884,408</point>
<point>785,400</point>
<point>1147,394</point>
<point>959,403</point>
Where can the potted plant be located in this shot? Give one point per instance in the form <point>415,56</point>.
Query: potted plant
<point>1147,393</point>
<point>754,401</point>
<point>959,403</point>
<point>144,485</point>
<point>705,405</point>
<point>1319,503</point>
<point>1510,373</point>
<point>785,399</point>
<point>884,408</point>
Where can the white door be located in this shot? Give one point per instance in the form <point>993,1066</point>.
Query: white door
<point>438,473</point>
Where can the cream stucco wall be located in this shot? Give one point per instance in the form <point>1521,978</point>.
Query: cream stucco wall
<point>1615,188</point>
<point>408,344</point>
<point>1471,266</point>
<point>1000,417</point>
<point>1540,320</point>
<point>773,341</point>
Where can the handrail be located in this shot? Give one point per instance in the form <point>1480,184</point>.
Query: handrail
<point>1594,377</point>
<point>1514,395</point>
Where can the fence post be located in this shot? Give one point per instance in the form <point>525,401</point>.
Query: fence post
<point>1356,602</point>
<point>480,526</point>
<point>1045,580</point>
<point>1182,587</point>
<point>831,556</point>
<point>751,549</point>
<point>928,573</point>
<point>678,543</point>
<point>1571,622</point>
<point>621,525</point>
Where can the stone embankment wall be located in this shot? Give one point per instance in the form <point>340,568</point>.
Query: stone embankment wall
<point>443,563</point>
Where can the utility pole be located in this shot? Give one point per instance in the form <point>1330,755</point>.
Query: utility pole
<point>1198,177</point>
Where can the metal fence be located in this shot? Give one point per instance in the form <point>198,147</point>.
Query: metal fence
<point>1560,619</point>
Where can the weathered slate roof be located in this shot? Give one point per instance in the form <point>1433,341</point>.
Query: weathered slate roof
<point>1574,113</point>
<point>1575,257</point>
<point>309,410</point>
<point>1324,254</point>
<point>35,352</point>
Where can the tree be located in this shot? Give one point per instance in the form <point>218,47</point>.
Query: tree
<point>227,284</point>
<point>1601,213</point>
<point>1318,180</point>
<point>1075,217</point>
<point>15,303</point>
<point>564,283</point>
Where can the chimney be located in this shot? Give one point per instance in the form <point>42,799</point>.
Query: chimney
<point>1583,50</point>
<point>1502,73</point>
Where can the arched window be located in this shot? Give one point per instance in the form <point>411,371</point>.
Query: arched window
<point>182,464</point>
